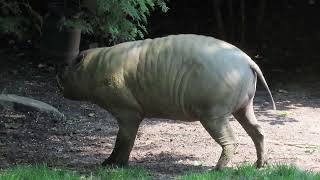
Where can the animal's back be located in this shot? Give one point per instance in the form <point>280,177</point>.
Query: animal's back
<point>185,74</point>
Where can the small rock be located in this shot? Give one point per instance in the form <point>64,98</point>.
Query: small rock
<point>12,125</point>
<point>266,103</point>
<point>197,163</point>
<point>54,129</point>
<point>91,115</point>
<point>41,65</point>
<point>282,91</point>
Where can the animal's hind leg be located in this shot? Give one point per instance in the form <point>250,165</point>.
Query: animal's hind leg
<point>221,132</point>
<point>248,121</point>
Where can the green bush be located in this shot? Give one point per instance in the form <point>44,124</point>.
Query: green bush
<point>113,21</point>
<point>117,20</point>
<point>19,20</point>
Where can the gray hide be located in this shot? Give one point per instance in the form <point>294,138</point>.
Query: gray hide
<point>185,77</point>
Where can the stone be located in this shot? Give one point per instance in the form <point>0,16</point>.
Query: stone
<point>24,104</point>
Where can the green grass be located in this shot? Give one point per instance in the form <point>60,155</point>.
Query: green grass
<point>122,174</point>
<point>283,114</point>
<point>45,173</point>
<point>281,172</point>
<point>37,173</point>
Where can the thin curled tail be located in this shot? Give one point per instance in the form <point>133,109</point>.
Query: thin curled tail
<point>256,68</point>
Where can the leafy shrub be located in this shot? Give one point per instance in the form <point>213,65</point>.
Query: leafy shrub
<point>113,21</point>
<point>18,19</point>
<point>117,20</point>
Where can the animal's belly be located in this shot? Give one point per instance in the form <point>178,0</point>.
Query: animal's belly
<point>179,115</point>
<point>173,113</point>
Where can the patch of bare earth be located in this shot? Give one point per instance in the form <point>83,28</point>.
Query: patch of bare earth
<point>166,148</point>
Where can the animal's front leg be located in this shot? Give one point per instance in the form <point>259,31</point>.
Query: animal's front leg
<point>128,123</point>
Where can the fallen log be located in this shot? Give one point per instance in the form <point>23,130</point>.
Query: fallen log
<point>18,103</point>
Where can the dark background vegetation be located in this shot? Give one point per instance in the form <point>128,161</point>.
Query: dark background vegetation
<point>283,34</point>
<point>289,32</point>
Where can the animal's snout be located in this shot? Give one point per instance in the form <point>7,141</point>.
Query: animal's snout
<point>60,75</point>
<point>63,73</point>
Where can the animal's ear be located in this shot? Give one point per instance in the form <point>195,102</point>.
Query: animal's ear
<point>80,57</point>
<point>77,59</point>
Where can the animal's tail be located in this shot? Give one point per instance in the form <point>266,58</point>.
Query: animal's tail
<point>256,68</point>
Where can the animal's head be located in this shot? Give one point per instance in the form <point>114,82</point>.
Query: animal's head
<point>72,79</point>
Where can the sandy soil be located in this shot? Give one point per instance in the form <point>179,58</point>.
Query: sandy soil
<point>166,148</point>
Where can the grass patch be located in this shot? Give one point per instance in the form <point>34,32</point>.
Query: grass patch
<point>283,114</point>
<point>122,173</point>
<point>37,173</point>
<point>45,173</point>
<point>281,172</point>
<point>247,172</point>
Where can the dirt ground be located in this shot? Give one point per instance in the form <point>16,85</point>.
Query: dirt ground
<point>165,148</point>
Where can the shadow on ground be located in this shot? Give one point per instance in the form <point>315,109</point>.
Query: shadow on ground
<point>169,163</point>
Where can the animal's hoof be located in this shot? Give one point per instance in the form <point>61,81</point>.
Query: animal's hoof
<point>113,164</point>
<point>216,168</point>
<point>260,164</point>
<point>105,163</point>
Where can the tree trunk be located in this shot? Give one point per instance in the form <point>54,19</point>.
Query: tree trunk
<point>231,17</point>
<point>243,18</point>
<point>217,11</point>
<point>260,17</point>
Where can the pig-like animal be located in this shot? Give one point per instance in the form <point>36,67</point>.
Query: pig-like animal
<point>183,77</point>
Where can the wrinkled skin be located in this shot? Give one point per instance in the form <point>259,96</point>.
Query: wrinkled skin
<point>184,77</point>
